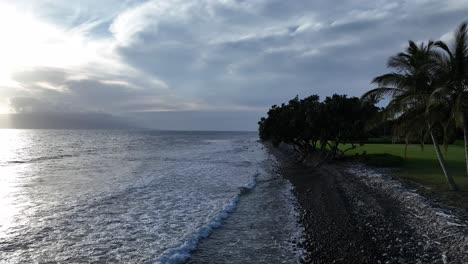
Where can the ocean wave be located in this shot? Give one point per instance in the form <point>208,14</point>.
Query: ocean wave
<point>40,159</point>
<point>181,253</point>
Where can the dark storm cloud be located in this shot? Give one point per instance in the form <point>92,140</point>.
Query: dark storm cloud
<point>56,89</point>
<point>347,45</point>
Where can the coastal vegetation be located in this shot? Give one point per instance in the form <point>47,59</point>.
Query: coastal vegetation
<point>428,103</point>
<point>427,88</point>
<point>314,126</point>
<point>421,166</point>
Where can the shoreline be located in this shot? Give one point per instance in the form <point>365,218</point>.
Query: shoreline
<point>352,214</point>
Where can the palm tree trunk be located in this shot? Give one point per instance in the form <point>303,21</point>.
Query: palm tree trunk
<point>406,147</point>
<point>448,176</point>
<point>465,137</point>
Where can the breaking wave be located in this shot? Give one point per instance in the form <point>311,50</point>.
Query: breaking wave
<point>181,253</point>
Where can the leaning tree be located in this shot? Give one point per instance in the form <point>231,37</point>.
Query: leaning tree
<point>410,87</point>
<point>452,75</point>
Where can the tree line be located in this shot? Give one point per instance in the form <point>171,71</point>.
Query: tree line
<point>311,125</point>
<point>428,91</point>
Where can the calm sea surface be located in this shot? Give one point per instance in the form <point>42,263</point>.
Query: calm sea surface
<point>96,196</point>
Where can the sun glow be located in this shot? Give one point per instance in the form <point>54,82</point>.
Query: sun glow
<point>28,42</point>
<point>4,105</point>
<point>4,109</point>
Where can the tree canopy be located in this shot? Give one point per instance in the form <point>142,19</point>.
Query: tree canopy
<point>313,125</point>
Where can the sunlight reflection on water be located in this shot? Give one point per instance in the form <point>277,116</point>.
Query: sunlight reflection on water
<point>12,143</point>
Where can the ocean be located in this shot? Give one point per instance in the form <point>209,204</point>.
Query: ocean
<point>142,196</point>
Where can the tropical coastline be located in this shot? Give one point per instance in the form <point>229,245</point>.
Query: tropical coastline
<point>234,132</point>
<point>355,214</point>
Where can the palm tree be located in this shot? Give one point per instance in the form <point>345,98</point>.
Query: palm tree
<point>410,87</point>
<point>453,73</point>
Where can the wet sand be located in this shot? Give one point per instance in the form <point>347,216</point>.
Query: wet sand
<point>347,220</point>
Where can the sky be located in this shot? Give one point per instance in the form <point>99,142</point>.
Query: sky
<point>202,64</point>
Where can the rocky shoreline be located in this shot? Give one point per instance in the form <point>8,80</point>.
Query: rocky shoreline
<point>354,214</point>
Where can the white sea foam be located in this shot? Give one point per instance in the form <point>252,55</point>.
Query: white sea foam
<point>181,253</point>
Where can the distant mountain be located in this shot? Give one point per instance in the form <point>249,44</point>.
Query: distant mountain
<point>200,120</point>
<point>63,121</point>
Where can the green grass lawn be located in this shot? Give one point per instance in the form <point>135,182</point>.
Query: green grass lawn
<point>423,167</point>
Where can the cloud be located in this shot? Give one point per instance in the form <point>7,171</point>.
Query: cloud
<point>366,15</point>
<point>231,56</point>
<point>30,105</point>
<point>87,93</point>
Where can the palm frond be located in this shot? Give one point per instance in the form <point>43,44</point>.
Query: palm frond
<point>402,62</point>
<point>378,93</point>
<point>391,79</point>
<point>442,45</point>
